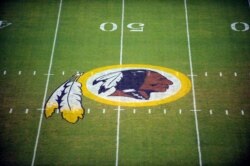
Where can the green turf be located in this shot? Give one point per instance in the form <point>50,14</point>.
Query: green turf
<point>145,139</point>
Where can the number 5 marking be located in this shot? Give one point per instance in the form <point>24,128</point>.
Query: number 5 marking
<point>246,26</point>
<point>136,27</point>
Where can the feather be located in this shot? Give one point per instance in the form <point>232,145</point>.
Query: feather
<point>68,100</point>
<point>108,81</point>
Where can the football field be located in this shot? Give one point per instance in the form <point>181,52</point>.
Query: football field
<point>205,43</point>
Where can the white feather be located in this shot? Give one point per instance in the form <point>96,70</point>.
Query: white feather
<point>109,81</point>
<point>68,99</point>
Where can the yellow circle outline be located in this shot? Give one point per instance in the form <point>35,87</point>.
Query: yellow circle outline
<point>185,86</point>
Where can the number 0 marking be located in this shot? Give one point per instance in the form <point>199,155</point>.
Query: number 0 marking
<point>246,26</point>
<point>103,26</point>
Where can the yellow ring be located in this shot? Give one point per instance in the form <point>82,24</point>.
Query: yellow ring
<point>185,86</point>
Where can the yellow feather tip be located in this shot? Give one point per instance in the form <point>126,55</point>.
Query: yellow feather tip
<point>50,109</point>
<point>73,115</point>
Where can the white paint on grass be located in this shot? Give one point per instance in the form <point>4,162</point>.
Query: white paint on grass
<point>119,107</point>
<point>193,87</point>
<point>242,112</point>
<point>47,84</point>
<point>226,112</point>
<point>211,112</point>
<point>118,135</point>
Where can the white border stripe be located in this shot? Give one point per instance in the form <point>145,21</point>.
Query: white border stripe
<point>193,88</point>
<point>47,84</point>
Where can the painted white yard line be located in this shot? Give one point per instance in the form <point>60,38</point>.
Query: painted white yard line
<point>47,84</point>
<point>193,87</point>
<point>119,107</point>
<point>122,27</point>
<point>118,135</point>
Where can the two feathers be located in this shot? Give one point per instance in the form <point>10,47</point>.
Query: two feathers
<point>68,100</point>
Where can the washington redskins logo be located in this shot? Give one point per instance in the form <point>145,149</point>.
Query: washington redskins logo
<point>133,85</point>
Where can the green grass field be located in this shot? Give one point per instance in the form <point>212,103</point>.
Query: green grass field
<point>220,62</point>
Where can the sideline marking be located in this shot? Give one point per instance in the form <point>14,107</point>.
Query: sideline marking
<point>47,84</point>
<point>193,87</point>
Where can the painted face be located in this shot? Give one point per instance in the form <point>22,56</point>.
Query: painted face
<point>155,82</point>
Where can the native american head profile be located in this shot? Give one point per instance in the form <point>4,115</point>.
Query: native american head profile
<point>137,84</point>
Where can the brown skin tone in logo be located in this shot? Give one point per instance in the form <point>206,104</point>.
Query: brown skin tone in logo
<point>153,82</point>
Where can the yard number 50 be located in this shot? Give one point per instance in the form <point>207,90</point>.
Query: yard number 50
<point>133,27</point>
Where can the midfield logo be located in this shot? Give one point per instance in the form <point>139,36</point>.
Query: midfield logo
<point>132,85</point>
